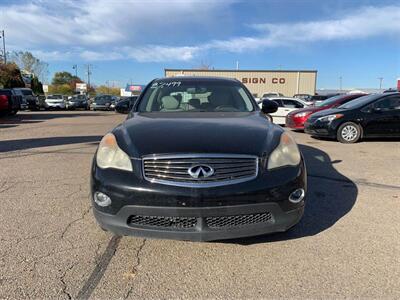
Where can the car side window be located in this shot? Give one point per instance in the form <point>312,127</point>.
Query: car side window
<point>279,102</point>
<point>291,104</point>
<point>387,104</point>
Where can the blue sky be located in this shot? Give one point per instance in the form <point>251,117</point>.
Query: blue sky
<point>135,40</point>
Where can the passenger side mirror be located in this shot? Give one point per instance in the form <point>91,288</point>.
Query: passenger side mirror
<point>124,108</point>
<point>269,106</point>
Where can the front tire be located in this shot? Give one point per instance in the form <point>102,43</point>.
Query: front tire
<point>349,133</point>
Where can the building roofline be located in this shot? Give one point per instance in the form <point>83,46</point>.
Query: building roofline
<point>240,71</point>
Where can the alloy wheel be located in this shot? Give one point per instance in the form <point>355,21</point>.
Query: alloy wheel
<point>349,133</point>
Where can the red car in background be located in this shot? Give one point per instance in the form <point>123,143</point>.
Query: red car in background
<point>9,102</point>
<point>297,118</point>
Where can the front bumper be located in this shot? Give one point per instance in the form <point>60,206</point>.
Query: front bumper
<point>204,225</point>
<point>55,105</point>
<point>238,207</point>
<point>100,107</point>
<point>322,129</point>
<point>294,123</point>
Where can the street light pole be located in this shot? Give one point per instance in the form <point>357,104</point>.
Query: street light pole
<point>75,67</point>
<point>380,82</point>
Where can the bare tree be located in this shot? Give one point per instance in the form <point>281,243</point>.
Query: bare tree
<point>30,64</point>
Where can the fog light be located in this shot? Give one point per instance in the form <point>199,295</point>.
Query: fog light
<point>297,195</point>
<point>101,199</point>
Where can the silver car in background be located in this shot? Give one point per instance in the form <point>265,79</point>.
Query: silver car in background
<point>55,102</point>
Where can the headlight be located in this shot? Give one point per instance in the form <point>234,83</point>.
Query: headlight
<point>329,118</point>
<point>285,154</point>
<point>109,155</point>
<point>300,115</point>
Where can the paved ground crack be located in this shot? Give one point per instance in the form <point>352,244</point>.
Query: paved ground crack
<point>74,221</point>
<point>134,270</point>
<point>64,284</point>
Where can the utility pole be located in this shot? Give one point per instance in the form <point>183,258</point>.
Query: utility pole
<point>237,65</point>
<point>340,83</point>
<point>89,72</point>
<point>4,46</point>
<point>75,67</point>
<point>380,82</point>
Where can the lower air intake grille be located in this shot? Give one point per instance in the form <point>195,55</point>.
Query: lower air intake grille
<point>163,222</point>
<point>238,220</point>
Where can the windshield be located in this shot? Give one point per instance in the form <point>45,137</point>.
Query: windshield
<point>58,97</point>
<point>27,92</point>
<point>103,99</point>
<point>360,102</point>
<point>78,98</point>
<point>195,95</point>
<point>329,101</point>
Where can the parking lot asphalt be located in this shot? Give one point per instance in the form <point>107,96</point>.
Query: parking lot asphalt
<point>347,244</point>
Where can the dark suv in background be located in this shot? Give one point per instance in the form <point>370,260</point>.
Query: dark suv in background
<point>10,102</point>
<point>29,99</point>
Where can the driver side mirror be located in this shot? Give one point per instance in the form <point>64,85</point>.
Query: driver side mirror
<point>269,106</point>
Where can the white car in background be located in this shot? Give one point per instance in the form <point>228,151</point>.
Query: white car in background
<point>285,106</point>
<point>55,102</point>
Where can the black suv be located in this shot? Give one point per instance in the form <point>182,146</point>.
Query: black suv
<point>196,159</point>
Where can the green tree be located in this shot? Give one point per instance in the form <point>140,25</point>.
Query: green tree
<point>36,86</point>
<point>64,78</point>
<point>10,76</point>
<point>63,89</point>
<point>102,89</point>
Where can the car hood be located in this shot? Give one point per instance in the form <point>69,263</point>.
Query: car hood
<point>311,109</point>
<point>171,133</point>
<point>54,100</point>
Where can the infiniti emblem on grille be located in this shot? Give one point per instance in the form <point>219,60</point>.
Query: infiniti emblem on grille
<point>200,171</point>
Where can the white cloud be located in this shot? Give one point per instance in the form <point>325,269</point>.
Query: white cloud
<point>363,23</point>
<point>144,31</point>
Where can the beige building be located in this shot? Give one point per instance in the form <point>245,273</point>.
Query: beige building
<point>260,82</point>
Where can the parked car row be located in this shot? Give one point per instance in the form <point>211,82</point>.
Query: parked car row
<point>350,118</point>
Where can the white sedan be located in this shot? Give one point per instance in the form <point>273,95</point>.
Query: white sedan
<point>285,106</point>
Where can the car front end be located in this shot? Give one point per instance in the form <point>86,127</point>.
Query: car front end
<point>156,196</point>
<point>100,106</point>
<point>324,123</point>
<point>296,119</point>
<point>166,172</point>
<point>55,103</point>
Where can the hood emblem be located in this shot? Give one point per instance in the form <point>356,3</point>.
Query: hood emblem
<point>200,171</point>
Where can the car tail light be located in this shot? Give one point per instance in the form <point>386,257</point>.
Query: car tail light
<point>3,101</point>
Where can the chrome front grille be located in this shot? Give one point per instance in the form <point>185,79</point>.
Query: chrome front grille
<point>180,170</point>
